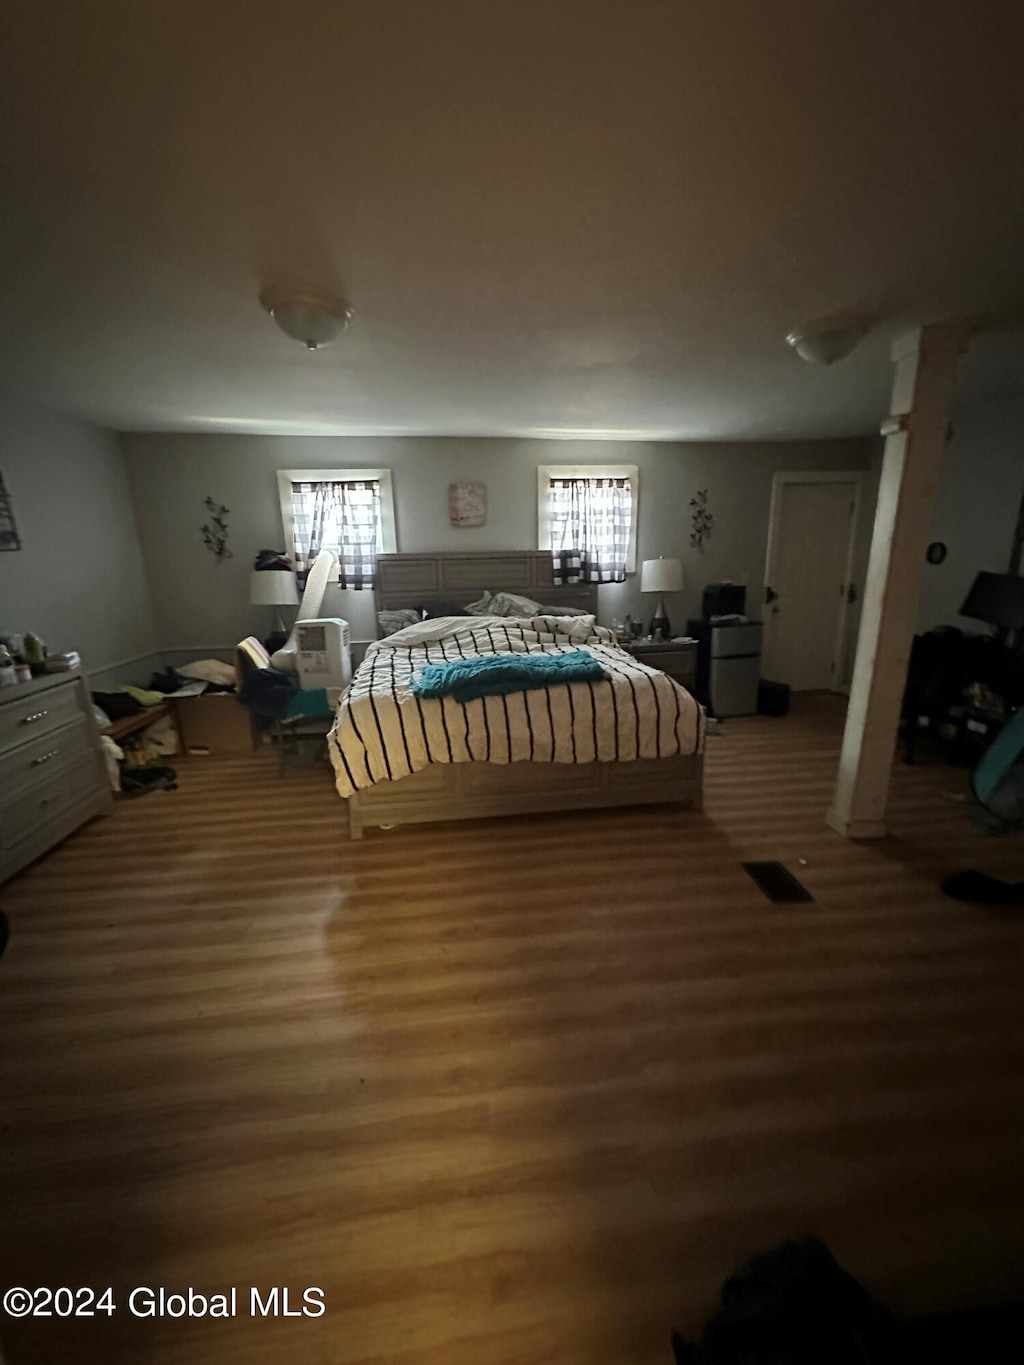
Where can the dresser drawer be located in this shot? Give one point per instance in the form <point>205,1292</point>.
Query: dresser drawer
<point>51,832</point>
<point>37,714</point>
<point>45,800</point>
<point>42,757</point>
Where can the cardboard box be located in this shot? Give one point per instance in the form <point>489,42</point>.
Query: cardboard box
<point>215,723</point>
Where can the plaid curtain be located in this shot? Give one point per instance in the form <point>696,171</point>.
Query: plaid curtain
<point>590,523</point>
<point>343,517</point>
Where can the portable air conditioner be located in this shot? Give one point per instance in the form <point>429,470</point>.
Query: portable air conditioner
<point>323,652</point>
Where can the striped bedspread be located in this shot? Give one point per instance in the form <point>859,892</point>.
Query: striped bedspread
<point>384,731</point>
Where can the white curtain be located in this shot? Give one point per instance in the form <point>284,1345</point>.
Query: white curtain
<point>343,517</point>
<point>590,523</point>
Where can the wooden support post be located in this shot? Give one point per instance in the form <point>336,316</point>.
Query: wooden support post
<point>922,395</point>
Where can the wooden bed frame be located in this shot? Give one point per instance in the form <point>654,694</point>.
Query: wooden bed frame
<point>467,791</point>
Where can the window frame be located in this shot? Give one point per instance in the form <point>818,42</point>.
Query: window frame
<point>286,477</point>
<point>547,472</point>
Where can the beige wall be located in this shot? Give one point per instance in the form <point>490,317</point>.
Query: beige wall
<point>979,497</point>
<point>79,581</point>
<point>87,579</point>
<point>202,604</point>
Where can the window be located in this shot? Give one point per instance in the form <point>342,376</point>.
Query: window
<point>586,517</point>
<point>347,511</point>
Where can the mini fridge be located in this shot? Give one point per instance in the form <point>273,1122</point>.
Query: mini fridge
<point>728,665</point>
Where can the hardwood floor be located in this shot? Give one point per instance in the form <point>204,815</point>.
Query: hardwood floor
<point>510,1093</point>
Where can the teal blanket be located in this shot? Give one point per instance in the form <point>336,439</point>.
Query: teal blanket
<point>493,675</point>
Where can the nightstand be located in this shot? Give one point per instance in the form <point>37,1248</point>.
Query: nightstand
<point>677,658</point>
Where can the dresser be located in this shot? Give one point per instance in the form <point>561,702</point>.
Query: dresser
<point>676,658</point>
<point>52,774</point>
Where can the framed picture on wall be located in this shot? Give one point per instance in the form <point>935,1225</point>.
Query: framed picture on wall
<point>467,503</point>
<point>9,538</point>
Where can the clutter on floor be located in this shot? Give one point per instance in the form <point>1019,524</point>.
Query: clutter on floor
<point>141,727</point>
<point>193,708</point>
<point>960,689</point>
<point>156,777</point>
<point>137,728</point>
<point>135,744</point>
<point>112,756</point>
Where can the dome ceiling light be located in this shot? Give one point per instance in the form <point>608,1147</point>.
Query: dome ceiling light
<point>308,315</point>
<point>825,343</point>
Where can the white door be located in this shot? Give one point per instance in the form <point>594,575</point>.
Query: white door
<point>810,547</point>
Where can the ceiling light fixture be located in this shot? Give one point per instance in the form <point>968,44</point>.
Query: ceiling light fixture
<point>825,343</point>
<point>311,316</point>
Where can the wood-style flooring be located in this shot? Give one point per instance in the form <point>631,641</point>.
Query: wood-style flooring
<point>510,1093</point>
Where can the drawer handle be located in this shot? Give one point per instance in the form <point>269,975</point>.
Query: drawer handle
<point>44,758</point>
<point>36,715</point>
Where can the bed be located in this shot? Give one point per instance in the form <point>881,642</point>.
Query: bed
<point>636,740</point>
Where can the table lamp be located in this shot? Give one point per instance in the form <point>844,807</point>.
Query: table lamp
<point>661,576</point>
<point>274,588</point>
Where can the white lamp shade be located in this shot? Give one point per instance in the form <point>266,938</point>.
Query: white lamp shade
<point>273,588</point>
<point>661,575</point>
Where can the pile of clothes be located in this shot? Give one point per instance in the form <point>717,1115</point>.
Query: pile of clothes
<point>190,680</point>
<point>138,764</point>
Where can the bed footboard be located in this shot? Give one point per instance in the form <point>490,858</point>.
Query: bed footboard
<point>468,791</point>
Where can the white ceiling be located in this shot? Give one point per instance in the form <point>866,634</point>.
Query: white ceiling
<point>553,217</point>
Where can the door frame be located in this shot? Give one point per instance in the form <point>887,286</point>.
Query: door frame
<point>780,481</point>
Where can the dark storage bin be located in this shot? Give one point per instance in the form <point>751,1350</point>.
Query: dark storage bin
<point>772,698</point>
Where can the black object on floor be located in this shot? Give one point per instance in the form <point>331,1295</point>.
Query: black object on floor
<point>796,1305</point>
<point>154,778</point>
<point>777,882</point>
<point>772,698</point>
<point>981,889</point>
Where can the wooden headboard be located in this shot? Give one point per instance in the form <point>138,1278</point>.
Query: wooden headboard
<point>463,576</point>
